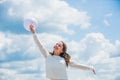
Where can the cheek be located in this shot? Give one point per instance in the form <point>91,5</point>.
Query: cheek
<point>60,49</point>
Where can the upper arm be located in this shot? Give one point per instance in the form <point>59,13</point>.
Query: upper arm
<point>40,46</point>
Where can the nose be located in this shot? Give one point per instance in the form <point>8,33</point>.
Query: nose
<point>56,44</point>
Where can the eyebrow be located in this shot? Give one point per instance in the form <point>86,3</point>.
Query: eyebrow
<point>60,44</point>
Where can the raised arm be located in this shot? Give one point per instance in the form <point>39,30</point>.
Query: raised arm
<point>80,66</point>
<point>41,48</point>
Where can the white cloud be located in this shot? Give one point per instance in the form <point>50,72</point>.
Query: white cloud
<point>93,48</point>
<point>106,19</point>
<point>110,68</point>
<point>15,70</point>
<point>28,77</point>
<point>3,42</point>
<point>109,14</point>
<point>106,22</point>
<point>55,14</point>
<point>96,50</point>
<point>2,1</point>
<point>11,12</point>
<point>21,66</point>
<point>24,45</point>
<point>7,71</point>
<point>116,51</point>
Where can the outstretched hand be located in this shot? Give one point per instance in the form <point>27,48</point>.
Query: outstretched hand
<point>32,29</point>
<point>93,70</point>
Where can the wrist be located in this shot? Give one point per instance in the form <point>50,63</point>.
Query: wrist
<point>91,68</point>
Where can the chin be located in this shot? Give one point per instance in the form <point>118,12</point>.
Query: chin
<point>55,50</point>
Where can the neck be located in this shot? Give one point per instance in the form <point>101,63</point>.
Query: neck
<point>56,53</point>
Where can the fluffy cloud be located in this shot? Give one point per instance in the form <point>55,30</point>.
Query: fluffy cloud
<point>106,20</point>
<point>117,51</point>
<point>4,42</point>
<point>25,70</point>
<point>96,50</point>
<point>10,46</point>
<point>55,14</point>
<point>109,14</point>
<point>93,46</point>
<point>24,46</point>
<point>13,76</point>
<point>1,1</point>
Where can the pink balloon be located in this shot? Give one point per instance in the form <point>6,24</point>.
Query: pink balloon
<point>28,22</point>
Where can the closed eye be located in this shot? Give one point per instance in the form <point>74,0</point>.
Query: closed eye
<point>58,44</point>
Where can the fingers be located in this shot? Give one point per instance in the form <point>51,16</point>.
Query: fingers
<point>94,72</point>
<point>32,28</point>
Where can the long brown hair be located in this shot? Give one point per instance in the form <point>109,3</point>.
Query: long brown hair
<point>64,54</point>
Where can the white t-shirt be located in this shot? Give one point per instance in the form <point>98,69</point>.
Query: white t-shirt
<point>55,67</point>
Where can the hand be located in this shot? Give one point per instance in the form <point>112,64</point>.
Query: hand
<point>32,29</point>
<point>93,70</point>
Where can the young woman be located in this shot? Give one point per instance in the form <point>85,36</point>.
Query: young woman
<point>57,61</point>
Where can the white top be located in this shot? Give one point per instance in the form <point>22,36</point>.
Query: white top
<point>55,65</point>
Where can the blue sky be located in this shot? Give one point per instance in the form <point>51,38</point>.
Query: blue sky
<point>89,27</point>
